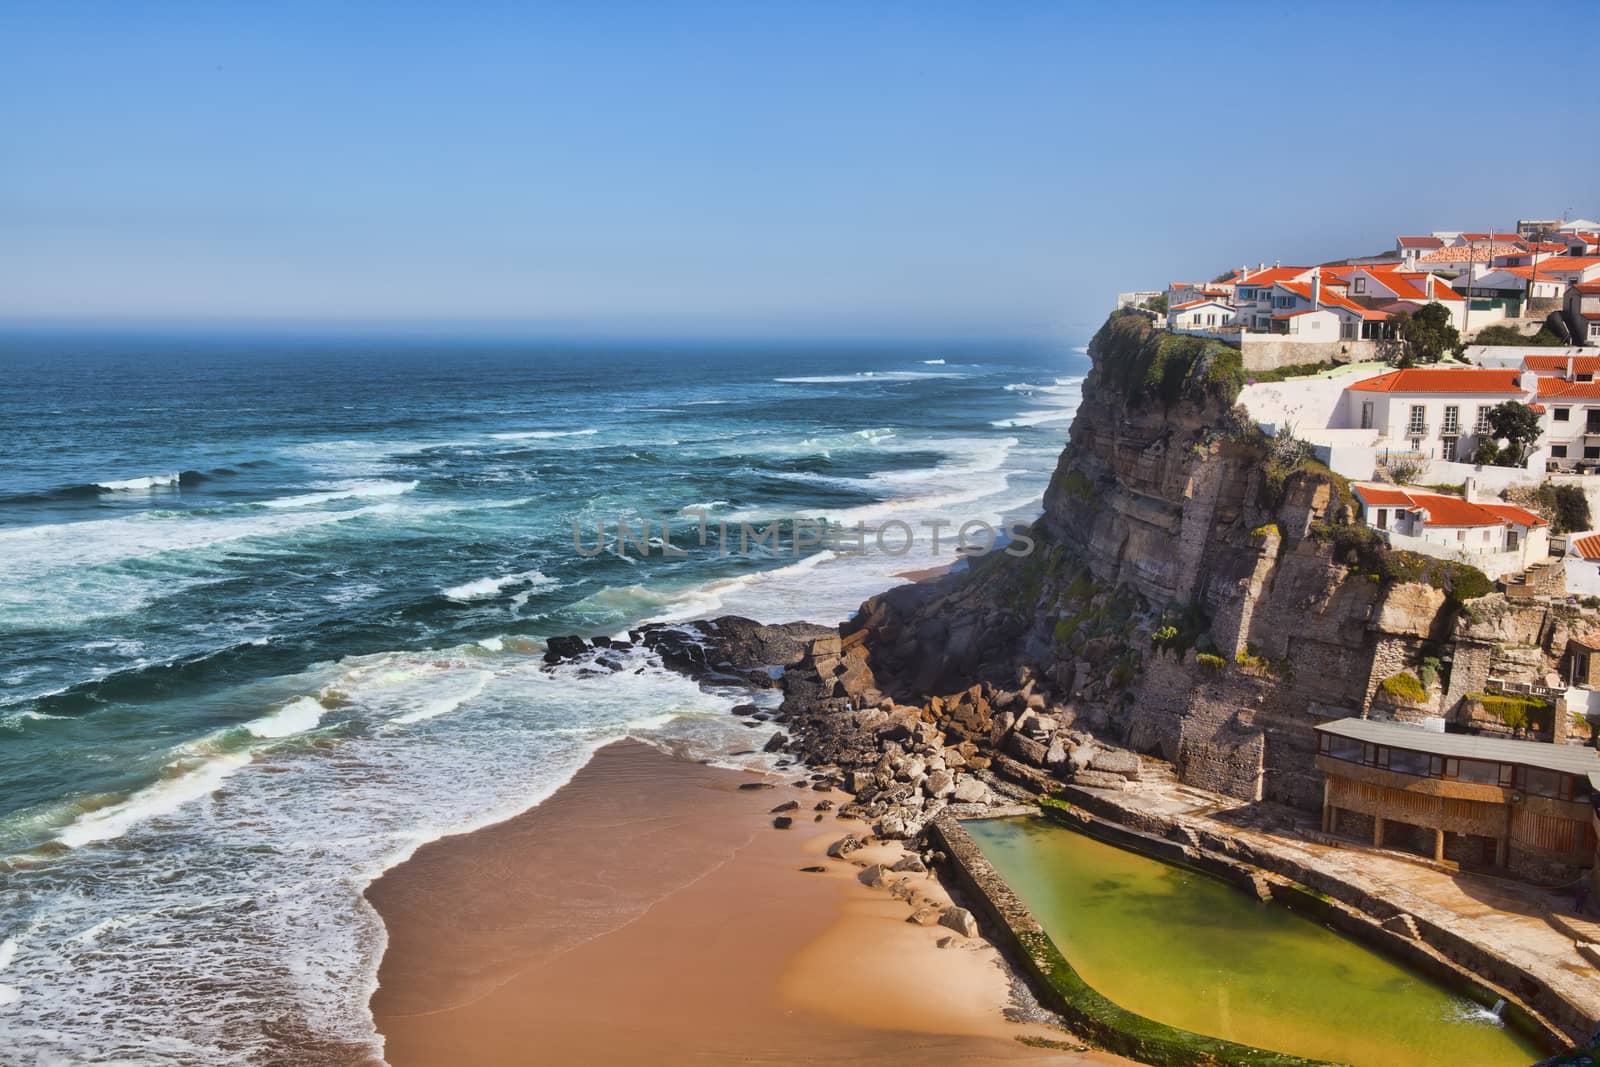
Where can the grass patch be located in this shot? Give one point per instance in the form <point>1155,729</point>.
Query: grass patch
<point>1405,687</point>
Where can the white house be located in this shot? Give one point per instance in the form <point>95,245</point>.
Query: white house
<point>1496,538</point>
<point>1253,298</point>
<point>1582,311</point>
<point>1434,411</point>
<point>1199,315</point>
<point>1383,288</point>
<point>1409,248</point>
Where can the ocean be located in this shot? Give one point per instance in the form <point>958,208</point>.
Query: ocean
<point>272,608</point>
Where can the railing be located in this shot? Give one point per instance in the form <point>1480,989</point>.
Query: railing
<point>1500,685</point>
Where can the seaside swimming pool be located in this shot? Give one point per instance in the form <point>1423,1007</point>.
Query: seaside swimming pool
<point>1184,949</point>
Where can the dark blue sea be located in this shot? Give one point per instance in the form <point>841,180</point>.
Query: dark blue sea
<point>271,612</point>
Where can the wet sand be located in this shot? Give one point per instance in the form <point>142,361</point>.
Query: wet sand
<point>649,913</point>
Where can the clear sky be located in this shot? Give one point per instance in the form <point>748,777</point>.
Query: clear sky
<point>755,167</point>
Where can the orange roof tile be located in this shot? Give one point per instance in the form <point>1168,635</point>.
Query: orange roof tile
<point>1371,494</point>
<point>1553,388</point>
<point>1580,364</point>
<point>1444,380</point>
<point>1271,275</point>
<point>1588,547</point>
<point>1565,264</point>
<point>1513,514</point>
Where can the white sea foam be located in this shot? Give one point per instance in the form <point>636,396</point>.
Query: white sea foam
<point>363,489</point>
<point>295,717</point>
<point>1033,418</point>
<point>541,435</point>
<point>133,485</point>
<point>479,588</point>
<point>934,362</point>
<point>865,376</point>
<point>186,780</point>
<point>254,895</point>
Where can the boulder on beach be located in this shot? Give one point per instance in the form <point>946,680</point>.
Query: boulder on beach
<point>874,876</point>
<point>844,846</point>
<point>960,920</point>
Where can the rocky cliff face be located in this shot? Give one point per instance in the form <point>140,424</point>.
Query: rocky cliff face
<point>1190,596</point>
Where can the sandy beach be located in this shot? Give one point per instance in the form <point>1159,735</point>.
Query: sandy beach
<point>649,912</point>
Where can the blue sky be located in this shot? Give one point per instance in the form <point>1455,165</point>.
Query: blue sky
<point>756,168</point>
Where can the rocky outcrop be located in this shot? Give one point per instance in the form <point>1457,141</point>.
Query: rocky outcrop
<point>1191,597</point>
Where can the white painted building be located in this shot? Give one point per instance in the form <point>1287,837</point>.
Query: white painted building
<point>1433,411</point>
<point>1496,538</point>
<point>1199,315</point>
<point>1582,311</point>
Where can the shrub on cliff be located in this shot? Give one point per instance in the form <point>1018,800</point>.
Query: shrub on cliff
<point>1565,506</point>
<point>1405,687</point>
<point>1138,360</point>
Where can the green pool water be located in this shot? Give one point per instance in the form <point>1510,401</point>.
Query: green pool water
<point>1187,950</point>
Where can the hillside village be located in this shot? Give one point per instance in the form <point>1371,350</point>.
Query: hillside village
<point>1405,372</point>
<point>1449,392</point>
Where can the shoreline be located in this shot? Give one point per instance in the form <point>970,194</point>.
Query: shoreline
<point>528,933</point>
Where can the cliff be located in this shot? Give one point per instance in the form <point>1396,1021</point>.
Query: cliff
<point>1195,593</point>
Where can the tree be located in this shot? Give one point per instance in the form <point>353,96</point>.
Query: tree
<point>1157,303</point>
<point>1426,335</point>
<point>1517,425</point>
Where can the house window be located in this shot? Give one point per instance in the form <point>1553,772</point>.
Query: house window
<point>1482,425</point>
<point>1366,414</point>
<point>1591,451</point>
<point>1361,285</point>
<point>1511,540</point>
<point>1558,451</point>
<point>1588,377</point>
<point>1561,414</point>
<point>1452,420</point>
<point>1383,518</point>
<point>1447,449</point>
<point>1418,419</point>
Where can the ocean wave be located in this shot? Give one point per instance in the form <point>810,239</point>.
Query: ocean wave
<point>295,717</point>
<point>934,362</point>
<point>541,435</point>
<point>149,481</point>
<point>363,489</point>
<point>1033,418</point>
<point>480,588</point>
<point>183,781</point>
<point>866,376</point>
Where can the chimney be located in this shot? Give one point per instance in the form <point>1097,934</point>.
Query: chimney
<point>1430,285</point>
<point>1261,266</point>
<point>1569,366</point>
<point>1316,287</point>
<point>1469,490</point>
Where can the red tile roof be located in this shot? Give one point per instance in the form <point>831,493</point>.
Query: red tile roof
<point>1371,494</point>
<point>1554,388</point>
<point>1580,364</point>
<point>1445,510</point>
<point>1470,253</point>
<point>1420,242</point>
<point>1588,547</point>
<point>1513,514</point>
<point>1272,275</point>
<point>1588,288</point>
<point>1444,380</point>
<point>1566,264</point>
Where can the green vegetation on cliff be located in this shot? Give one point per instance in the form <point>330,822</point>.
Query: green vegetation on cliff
<point>1140,361</point>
